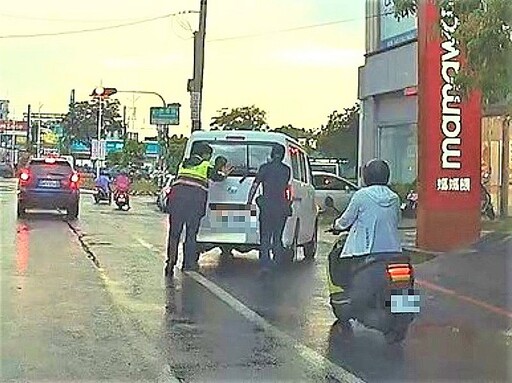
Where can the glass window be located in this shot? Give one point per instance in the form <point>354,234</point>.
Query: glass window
<point>398,145</point>
<point>245,157</point>
<point>294,154</point>
<point>303,168</point>
<point>323,182</point>
<point>325,168</point>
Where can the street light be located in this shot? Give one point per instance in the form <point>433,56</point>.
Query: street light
<point>38,144</point>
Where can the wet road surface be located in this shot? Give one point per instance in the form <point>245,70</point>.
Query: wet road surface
<point>86,301</point>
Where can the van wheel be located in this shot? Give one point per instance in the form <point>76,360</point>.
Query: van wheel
<point>311,247</point>
<point>290,253</point>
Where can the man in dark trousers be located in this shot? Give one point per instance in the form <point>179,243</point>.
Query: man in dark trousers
<point>273,204</point>
<point>187,204</point>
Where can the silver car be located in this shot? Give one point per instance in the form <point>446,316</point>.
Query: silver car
<point>331,187</point>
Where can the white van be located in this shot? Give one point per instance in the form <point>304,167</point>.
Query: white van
<point>228,222</point>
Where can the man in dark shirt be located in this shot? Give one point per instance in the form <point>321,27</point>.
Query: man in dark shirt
<point>274,206</point>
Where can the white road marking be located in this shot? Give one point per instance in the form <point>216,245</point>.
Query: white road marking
<point>145,244</point>
<point>311,356</point>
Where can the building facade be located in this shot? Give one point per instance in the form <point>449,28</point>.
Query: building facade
<point>389,102</point>
<point>388,91</point>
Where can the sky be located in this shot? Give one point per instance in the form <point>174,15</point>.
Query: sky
<point>298,77</point>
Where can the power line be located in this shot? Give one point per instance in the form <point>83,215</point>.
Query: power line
<point>299,28</point>
<point>156,18</point>
<point>34,18</point>
<point>98,29</point>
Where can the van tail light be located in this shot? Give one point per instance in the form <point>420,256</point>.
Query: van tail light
<point>24,175</point>
<point>74,180</point>
<point>400,272</point>
<point>288,193</point>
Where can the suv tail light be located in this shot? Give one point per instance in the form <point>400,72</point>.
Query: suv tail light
<point>74,180</point>
<point>24,175</point>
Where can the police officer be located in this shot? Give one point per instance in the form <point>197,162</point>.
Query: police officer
<point>274,207</point>
<point>187,205</point>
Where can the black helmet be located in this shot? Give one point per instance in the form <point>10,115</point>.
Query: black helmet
<point>202,149</point>
<point>376,172</point>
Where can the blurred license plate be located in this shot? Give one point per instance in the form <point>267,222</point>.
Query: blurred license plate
<point>405,303</point>
<point>49,184</point>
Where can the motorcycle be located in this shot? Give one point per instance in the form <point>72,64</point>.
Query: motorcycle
<point>410,205</point>
<point>393,302</point>
<point>121,199</point>
<point>102,195</point>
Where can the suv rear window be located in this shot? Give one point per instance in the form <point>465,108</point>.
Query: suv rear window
<point>246,157</point>
<point>41,168</point>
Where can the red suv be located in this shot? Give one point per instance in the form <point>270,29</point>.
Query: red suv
<point>48,183</point>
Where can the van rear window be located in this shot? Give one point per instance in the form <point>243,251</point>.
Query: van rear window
<point>246,157</point>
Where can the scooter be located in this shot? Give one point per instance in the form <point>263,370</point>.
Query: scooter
<point>121,199</point>
<point>410,205</point>
<point>102,195</point>
<point>393,302</point>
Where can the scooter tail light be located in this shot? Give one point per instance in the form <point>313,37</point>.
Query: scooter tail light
<point>400,272</point>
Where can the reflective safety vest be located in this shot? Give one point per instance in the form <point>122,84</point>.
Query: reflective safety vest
<point>195,175</point>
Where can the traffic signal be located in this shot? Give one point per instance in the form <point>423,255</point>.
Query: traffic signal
<point>103,92</point>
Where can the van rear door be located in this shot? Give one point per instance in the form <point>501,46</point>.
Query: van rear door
<point>228,218</point>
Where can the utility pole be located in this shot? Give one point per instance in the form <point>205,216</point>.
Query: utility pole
<point>505,163</point>
<point>100,112</point>
<point>195,86</point>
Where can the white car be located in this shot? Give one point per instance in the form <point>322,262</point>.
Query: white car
<point>331,187</point>
<point>161,199</point>
<point>229,222</point>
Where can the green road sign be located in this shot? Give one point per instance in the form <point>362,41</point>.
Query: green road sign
<point>165,116</point>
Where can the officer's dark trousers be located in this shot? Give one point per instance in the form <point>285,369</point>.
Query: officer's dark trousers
<point>271,235</point>
<point>186,210</point>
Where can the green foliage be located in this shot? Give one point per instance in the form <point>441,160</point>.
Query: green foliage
<point>339,138</point>
<point>132,155</point>
<point>240,118</point>
<point>81,122</point>
<point>176,148</point>
<point>484,34</point>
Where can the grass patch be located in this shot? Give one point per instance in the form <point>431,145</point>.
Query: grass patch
<point>144,186</point>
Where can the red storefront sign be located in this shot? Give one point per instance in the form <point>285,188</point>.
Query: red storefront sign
<point>449,137</point>
<point>13,125</point>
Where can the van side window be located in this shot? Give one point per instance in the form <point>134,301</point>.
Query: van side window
<point>294,154</point>
<point>303,168</point>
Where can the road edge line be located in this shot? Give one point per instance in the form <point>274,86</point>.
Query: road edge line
<point>306,353</point>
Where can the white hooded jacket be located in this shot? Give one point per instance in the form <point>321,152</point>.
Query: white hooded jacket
<point>373,216</point>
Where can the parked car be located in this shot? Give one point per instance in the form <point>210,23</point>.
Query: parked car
<point>331,187</point>
<point>229,222</point>
<point>161,199</point>
<point>48,183</point>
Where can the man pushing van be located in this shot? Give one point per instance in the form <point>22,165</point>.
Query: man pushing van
<point>187,204</point>
<point>274,206</point>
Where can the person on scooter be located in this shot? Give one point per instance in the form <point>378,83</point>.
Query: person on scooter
<point>103,183</point>
<point>122,184</point>
<point>372,219</point>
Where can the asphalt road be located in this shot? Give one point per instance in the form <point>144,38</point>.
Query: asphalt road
<point>86,301</point>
